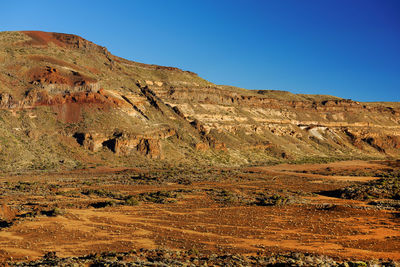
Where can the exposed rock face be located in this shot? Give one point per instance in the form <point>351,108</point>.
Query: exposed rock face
<point>150,148</point>
<point>60,86</point>
<point>63,40</point>
<point>312,125</point>
<point>381,142</point>
<point>37,98</point>
<point>50,75</point>
<point>122,143</point>
<point>6,101</point>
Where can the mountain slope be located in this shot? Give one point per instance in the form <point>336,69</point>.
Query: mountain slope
<point>66,102</point>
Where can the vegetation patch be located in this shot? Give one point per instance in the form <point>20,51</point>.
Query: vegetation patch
<point>159,257</point>
<point>228,197</point>
<point>386,188</point>
<point>383,173</point>
<point>265,199</point>
<point>52,212</point>
<point>5,224</point>
<point>102,193</point>
<point>386,204</point>
<point>161,197</point>
<point>103,204</point>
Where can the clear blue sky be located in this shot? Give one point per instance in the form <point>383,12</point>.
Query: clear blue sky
<point>347,48</point>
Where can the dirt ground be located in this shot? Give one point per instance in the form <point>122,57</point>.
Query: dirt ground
<point>248,210</point>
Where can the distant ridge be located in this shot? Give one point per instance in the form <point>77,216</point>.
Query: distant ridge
<point>68,103</point>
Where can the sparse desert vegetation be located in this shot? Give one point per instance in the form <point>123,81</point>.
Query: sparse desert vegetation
<point>280,214</point>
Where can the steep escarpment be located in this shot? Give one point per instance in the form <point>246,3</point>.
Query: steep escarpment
<point>281,124</point>
<point>66,102</point>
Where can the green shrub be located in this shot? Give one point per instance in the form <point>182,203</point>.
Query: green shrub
<point>103,204</point>
<point>131,201</point>
<point>53,212</point>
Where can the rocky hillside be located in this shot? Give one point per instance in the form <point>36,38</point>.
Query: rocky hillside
<point>67,103</point>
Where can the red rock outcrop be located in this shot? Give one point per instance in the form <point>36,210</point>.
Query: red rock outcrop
<point>39,38</point>
<point>50,75</point>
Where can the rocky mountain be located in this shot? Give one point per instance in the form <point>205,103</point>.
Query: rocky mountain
<point>67,103</point>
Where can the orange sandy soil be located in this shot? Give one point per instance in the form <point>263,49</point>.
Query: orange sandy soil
<point>197,220</point>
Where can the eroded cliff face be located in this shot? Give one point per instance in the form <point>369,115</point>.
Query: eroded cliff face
<point>123,143</point>
<point>65,100</point>
<point>292,127</point>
